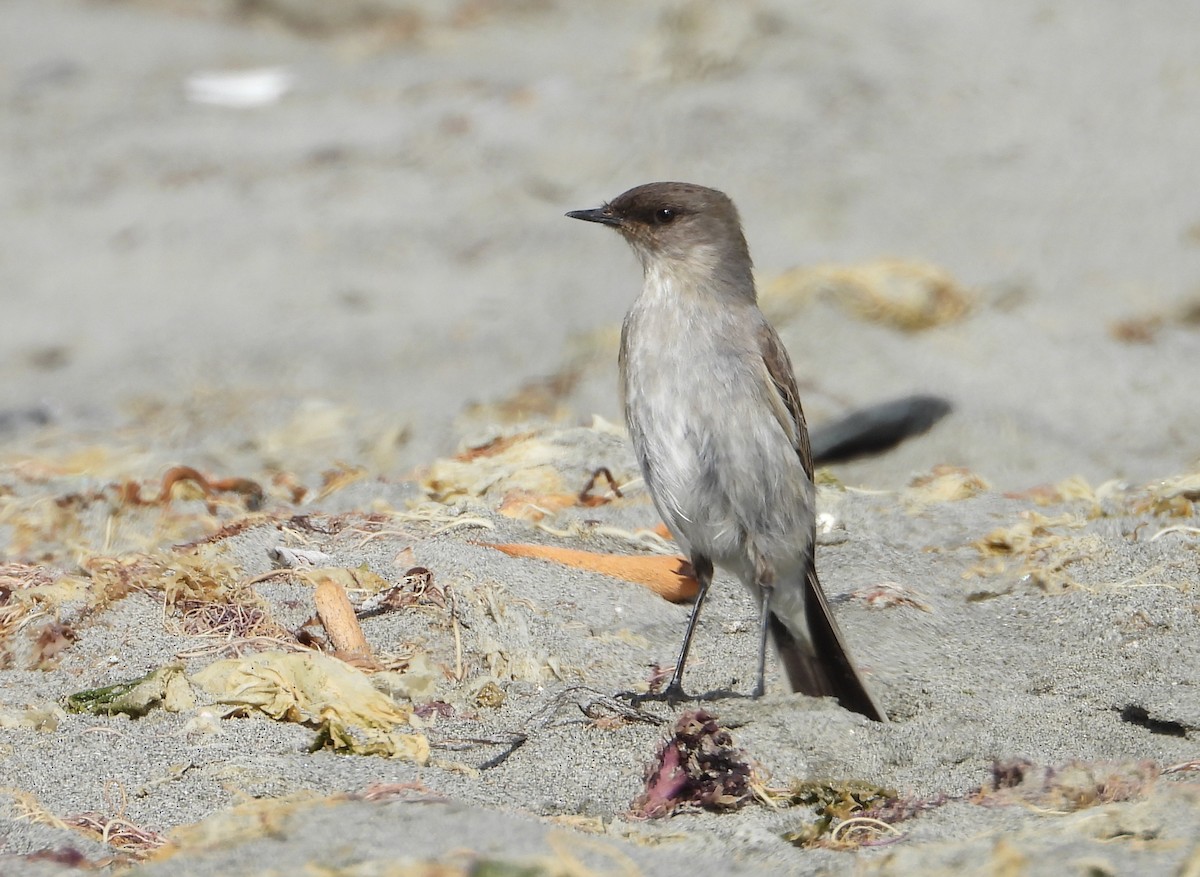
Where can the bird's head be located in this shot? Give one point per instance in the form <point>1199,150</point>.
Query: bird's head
<point>678,228</point>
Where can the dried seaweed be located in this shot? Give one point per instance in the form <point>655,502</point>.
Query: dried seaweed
<point>117,832</point>
<point>225,619</point>
<point>31,598</point>
<point>351,715</point>
<point>1038,549</point>
<point>1175,497</point>
<point>698,766</point>
<point>166,688</point>
<point>415,588</point>
<point>837,803</point>
<point>62,523</point>
<point>890,595</point>
<point>111,829</point>
<point>1072,786</point>
<point>910,296</point>
<point>943,484</point>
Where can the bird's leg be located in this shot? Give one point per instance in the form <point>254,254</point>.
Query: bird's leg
<point>764,624</point>
<point>764,577</point>
<point>703,569</point>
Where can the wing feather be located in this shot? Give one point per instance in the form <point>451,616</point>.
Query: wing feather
<point>785,401</point>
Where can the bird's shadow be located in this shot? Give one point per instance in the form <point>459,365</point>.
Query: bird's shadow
<point>678,698</point>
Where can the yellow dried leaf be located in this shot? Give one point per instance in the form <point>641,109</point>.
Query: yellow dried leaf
<point>945,484</point>
<point>902,294</point>
<point>308,688</point>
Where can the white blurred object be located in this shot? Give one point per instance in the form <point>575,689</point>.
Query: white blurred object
<point>293,558</point>
<point>239,88</point>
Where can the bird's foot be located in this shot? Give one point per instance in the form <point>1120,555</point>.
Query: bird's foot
<point>671,695</point>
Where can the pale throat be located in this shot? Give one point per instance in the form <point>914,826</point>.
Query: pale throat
<point>670,278</point>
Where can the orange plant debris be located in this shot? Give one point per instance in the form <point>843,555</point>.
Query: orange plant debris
<point>669,577</point>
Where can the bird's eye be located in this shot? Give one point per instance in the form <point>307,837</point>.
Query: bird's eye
<point>664,215</point>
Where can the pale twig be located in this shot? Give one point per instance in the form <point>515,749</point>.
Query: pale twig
<point>1183,766</point>
<point>458,650</point>
<point>266,576</point>
<point>856,822</point>
<point>1179,528</point>
<point>235,645</point>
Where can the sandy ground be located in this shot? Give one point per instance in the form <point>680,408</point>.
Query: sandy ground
<point>339,288</point>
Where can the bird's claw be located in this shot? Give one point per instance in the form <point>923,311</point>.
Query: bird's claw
<point>671,695</point>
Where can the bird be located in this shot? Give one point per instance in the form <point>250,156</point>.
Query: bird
<point>713,412</point>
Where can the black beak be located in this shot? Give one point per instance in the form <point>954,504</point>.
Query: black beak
<point>602,215</point>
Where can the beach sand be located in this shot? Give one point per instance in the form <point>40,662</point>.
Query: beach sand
<point>362,300</point>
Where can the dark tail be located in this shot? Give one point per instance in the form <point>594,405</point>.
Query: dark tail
<point>822,668</point>
<point>876,429</point>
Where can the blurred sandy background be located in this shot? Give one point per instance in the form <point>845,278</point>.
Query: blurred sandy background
<point>383,246</point>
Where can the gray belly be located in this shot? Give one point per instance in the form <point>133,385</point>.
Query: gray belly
<point>720,468</point>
